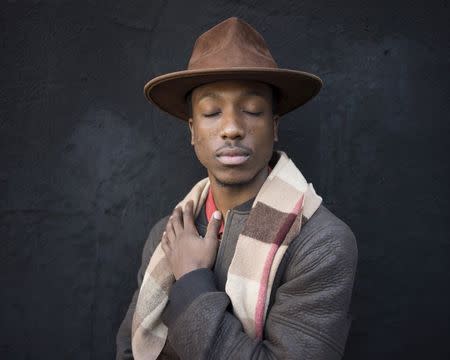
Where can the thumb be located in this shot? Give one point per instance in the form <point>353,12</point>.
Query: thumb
<point>214,225</point>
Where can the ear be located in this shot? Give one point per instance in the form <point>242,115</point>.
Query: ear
<point>276,119</point>
<point>191,128</point>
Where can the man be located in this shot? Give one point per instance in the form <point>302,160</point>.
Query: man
<point>250,264</point>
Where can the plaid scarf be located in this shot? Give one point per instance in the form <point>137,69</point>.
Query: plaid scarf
<point>284,202</point>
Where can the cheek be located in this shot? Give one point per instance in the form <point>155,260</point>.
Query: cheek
<point>203,136</point>
<point>265,144</point>
<point>203,143</point>
<point>263,136</point>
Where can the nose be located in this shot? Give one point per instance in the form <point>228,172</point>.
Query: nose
<point>231,126</point>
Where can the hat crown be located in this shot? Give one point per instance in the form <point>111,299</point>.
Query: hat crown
<point>231,43</point>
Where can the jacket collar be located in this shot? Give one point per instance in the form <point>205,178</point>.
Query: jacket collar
<point>243,209</point>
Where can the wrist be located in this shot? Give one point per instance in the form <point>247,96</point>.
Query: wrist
<point>187,270</point>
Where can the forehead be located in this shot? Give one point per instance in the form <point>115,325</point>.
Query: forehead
<point>235,88</point>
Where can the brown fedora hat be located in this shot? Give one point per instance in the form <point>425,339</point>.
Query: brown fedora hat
<point>231,50</point>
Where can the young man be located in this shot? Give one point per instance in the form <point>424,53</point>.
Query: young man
<point>250,264</point>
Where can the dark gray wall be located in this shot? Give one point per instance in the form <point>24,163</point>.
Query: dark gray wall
<point>88,166</point>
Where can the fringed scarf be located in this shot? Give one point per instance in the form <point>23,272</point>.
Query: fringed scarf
<point>284,202</point>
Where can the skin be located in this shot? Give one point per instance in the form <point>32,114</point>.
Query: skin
<point>231,113</point>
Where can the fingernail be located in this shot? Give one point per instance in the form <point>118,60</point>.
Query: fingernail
<point>217,215</point>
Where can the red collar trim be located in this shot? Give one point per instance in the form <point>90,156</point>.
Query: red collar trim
<point>210,208</point>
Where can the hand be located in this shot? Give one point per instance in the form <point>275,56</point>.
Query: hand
<point>185,249</point>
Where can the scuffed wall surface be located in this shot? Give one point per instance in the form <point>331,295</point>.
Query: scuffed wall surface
<point>88,166</point>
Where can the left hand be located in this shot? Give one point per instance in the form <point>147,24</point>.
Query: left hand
<point>185,249</point>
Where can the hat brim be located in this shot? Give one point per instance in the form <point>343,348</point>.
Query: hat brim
<point>168,91</point>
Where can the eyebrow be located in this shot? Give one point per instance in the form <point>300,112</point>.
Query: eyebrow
<point>243,93</point>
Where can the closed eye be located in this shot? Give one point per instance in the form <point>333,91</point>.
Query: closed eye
<point>212,114</point>
<point>253,113</point>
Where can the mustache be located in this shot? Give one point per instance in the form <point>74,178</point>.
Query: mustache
<point>235,147</point>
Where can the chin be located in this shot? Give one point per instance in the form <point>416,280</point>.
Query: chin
<point>231,182</point>
<point>234,178</point>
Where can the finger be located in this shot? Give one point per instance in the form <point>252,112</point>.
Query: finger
<point>165,244</point>
<point>188,216</point>
<point>214,226</point>
<point>177,220</point>
<point>165,240</point>
<point>170,232</point>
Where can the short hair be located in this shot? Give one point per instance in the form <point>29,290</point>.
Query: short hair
<point>275,99</point>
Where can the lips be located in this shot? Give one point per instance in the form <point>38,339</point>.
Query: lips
<point>232,155</point>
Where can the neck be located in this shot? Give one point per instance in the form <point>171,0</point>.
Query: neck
<point>227,197</point>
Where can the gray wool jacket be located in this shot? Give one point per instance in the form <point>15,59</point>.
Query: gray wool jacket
<point>308,315</point>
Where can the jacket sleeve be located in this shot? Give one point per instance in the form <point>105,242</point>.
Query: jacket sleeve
<point>308,319</point>
<point>123,338</point>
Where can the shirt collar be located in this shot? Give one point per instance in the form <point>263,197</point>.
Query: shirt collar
<point>210,207</point>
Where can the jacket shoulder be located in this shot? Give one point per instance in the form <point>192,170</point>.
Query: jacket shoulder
<point>323,218</point>
<point>323,237</point>
<point>324,226</point>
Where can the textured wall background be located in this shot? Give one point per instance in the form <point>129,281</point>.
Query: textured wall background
<point>87,165</point>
